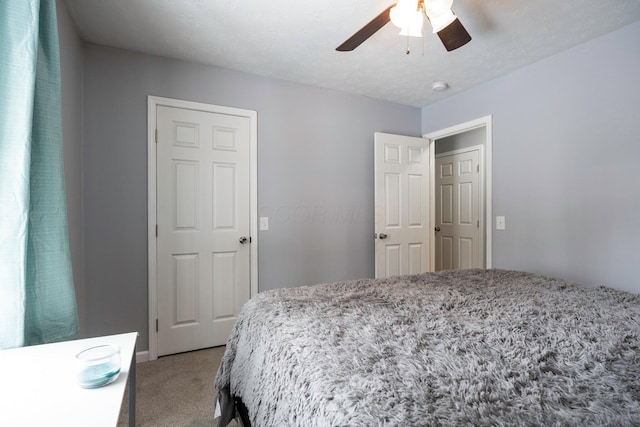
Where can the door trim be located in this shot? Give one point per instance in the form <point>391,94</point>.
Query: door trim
<point>485,122</point>
<point>152,103</point>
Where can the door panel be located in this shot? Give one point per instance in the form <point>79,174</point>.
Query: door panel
<point>185,180</point>
<point>458,211</point>
<point>392,198</point>
<point>392,259</point>
<point>445,244</point>
<point>466,203</point>
<point>446,204</point>
<point>224,196</point>
<point>185,286</point>
<point>223,266</point>
<point>401,204</point>
<point>417,258</point>
<point>465,253</point>
<point>203,208</point>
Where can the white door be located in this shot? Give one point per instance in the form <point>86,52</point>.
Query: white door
<point>401,204</point>
<point>457,223</point>
<point>203,216</point>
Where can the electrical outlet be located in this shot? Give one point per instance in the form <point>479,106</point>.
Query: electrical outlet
<point>500,223</point>
<point>264,223</point>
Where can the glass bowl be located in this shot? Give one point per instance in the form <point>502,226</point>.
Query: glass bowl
<point>97,366</point>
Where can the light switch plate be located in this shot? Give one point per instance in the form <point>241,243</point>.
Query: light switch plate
<point>264,223</point>
<point>500,223</point>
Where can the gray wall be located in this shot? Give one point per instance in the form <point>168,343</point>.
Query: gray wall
<point>71,79</point>
<point>315,179</point>
<point>566,149</point>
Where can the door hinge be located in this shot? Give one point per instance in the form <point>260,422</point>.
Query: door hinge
<point>156,230</point>
<point>156,325</point>
<point>156,136</point>
<point>478,224</point>
<point>477,166</point>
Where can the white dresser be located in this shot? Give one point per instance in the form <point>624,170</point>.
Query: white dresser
<point>38,385</point>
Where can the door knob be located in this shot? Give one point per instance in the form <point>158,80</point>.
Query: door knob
<point>382,236</point>
<point>243,240</point>
<point>437,229</point>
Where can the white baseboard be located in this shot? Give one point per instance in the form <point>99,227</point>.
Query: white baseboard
<point>142,356</point>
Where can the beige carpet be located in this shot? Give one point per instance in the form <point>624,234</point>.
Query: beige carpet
<point>175,391</point>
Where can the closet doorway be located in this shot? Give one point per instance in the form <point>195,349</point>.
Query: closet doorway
<point>460,195</point>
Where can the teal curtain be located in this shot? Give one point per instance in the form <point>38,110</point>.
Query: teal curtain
<point>37,300</point>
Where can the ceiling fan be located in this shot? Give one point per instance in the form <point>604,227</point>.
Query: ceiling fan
<point>408,16</point>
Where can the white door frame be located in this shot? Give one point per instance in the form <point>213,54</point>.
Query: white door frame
<point>152,103</point>
<point>485,184</point>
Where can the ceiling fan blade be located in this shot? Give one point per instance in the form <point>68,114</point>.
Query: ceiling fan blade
<point>454,35</point>
<point>365,32</point>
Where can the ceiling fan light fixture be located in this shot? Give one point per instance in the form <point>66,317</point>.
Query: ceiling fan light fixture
<point>439,13</point>
<point>407,16</point>
<point>414,27</point>
<point>442,21</point>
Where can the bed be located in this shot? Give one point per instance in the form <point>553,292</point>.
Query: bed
<point>466,347</point>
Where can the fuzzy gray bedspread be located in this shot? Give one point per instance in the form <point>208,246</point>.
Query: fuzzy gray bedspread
<point>474,347</point>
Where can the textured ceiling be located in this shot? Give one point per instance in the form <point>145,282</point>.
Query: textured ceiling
<point>295,40</point>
